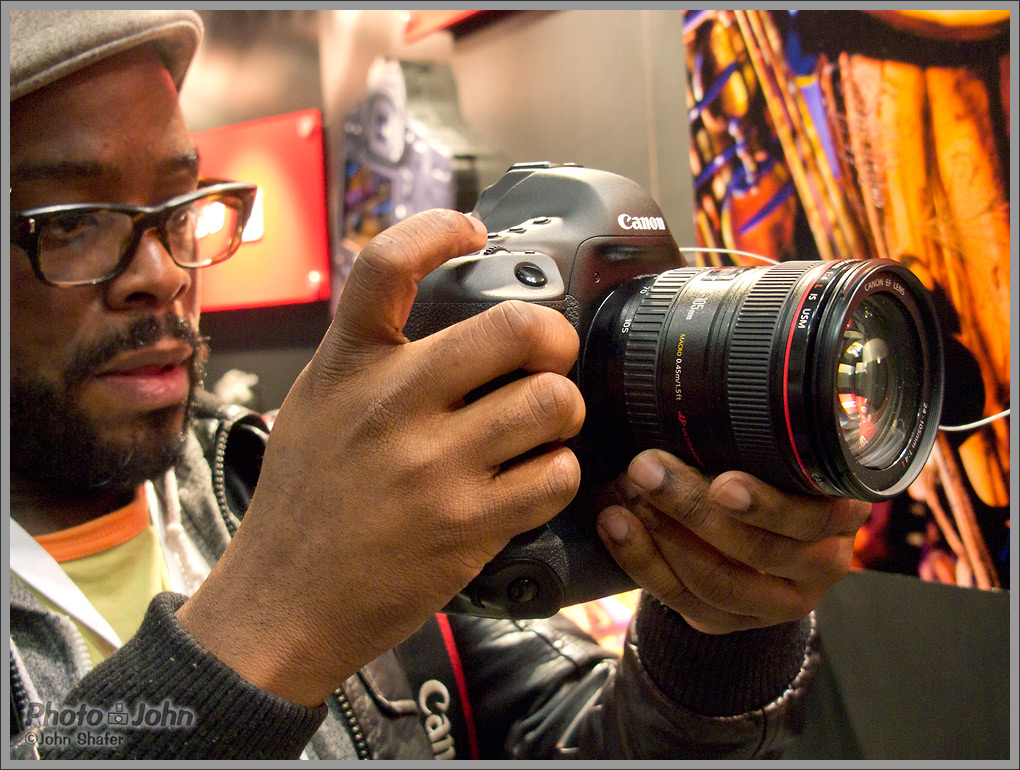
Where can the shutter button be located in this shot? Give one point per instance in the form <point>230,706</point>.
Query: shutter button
<point>530,274</point>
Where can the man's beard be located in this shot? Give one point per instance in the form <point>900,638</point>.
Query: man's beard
<point>53,441</point>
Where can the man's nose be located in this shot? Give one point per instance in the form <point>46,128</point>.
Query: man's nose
<point>152,278</point>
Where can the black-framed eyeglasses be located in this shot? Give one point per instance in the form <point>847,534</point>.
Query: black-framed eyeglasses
<point>83,244</point>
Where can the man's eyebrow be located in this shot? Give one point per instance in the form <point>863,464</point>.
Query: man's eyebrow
<point>186,161</point>
<point>77,169</point>
<point>61,170</point>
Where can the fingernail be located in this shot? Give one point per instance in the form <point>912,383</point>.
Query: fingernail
<point>478,224</point>
<point>647,472</point>
<point>614,524</point>
<point>733,495</point>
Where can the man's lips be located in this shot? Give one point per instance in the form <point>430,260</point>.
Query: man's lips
<point>150,378</point>
<point>166,353</point>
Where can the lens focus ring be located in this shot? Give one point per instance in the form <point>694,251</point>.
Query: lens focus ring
<point>641,354</point>
<point>748,368</point>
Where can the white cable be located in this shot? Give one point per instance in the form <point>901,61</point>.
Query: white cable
<point>759,257</point>
<point>978,424</point>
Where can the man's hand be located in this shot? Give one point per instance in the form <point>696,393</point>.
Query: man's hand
<point>383,493</point>
<point>729,553</point>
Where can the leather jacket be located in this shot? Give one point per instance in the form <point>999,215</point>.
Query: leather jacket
<point>536,688</point>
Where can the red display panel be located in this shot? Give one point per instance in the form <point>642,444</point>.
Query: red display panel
<point>284,258</point>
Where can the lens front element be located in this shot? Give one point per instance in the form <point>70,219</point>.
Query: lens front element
<point>876,382</point>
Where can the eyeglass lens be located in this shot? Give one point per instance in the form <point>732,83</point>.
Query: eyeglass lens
<point>86,245</point>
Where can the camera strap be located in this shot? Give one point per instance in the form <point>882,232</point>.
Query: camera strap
<point>436,675</point>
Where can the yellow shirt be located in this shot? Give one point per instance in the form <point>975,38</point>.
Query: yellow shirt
<point>117,562</point>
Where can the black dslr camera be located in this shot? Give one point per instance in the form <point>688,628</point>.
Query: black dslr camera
<point>818,377</point>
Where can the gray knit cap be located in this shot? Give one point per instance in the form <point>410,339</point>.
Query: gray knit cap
<point>47,45</point>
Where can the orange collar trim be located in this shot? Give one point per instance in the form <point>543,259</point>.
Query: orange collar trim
<point>100,534</point>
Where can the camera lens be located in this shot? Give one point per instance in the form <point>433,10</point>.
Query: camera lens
<point>818,377</point>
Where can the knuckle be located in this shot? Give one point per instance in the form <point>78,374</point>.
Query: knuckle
<point>530,334</point>
<point>457,521</point>
<point>792,599</point>
<point>764,551</point>
<point>563,477</point>
<point>833,561</point>
<point>516,320</point>
<point>719,588</point>
<point>382,259</point>
<point>797,605</point>
<point>691,506</point>
<point>419,465</point>
<point>458,512</point>
<point>806,605</point>
<point>678,597</point>
<point>683,494</point>
<point>856,513</point>
<point>551,399</point>
<point>822,520</point>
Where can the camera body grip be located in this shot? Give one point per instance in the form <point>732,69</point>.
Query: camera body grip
<point>563,237</point>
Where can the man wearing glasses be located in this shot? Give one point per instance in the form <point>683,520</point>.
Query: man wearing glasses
<point>146,622</point>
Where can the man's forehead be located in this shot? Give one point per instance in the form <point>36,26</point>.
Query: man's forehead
<point>101,87</point>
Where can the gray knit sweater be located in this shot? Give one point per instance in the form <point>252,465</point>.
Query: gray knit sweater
<point>688,684</point>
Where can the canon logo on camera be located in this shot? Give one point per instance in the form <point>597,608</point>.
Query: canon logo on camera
<point>627,222</point>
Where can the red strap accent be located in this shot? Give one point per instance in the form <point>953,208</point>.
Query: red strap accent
<point>458,673</point>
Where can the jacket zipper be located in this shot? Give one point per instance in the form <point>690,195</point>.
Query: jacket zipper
<point>351,722</point>
<point>219,478</point>
<point>19,699</point>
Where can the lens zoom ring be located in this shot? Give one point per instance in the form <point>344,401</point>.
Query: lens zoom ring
<point>641,354</point>
<point>748,366</point>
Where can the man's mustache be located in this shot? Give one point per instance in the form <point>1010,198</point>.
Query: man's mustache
<point>142,332</point>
